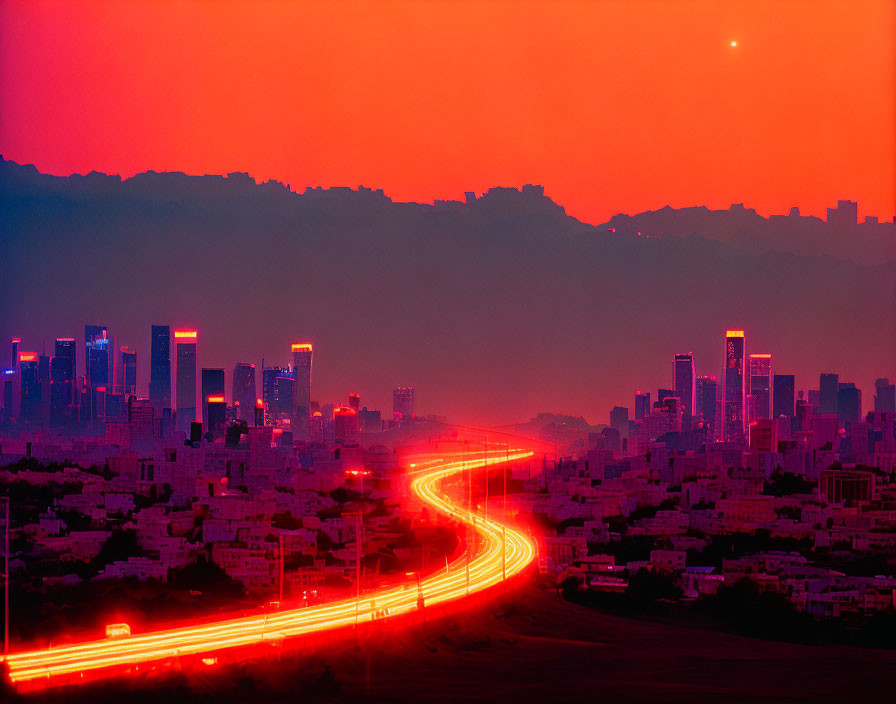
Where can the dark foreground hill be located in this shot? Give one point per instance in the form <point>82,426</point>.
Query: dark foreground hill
<point>531,646</point>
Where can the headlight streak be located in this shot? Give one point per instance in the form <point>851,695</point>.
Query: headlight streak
<point>490,566</point>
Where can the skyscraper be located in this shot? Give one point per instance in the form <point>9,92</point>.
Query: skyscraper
<point>129,368</point>
<point>29,374</point>
<point>684,383</point>
<point>97,367</point>
<point>160,367</point>
<point>185,343</point>
<point>92,334</point>
<point>619,420</point>
<point>269,392</point>
<point>760,385</point>
<point>285,394</point>
<point>663,394</point>
<point>62,377</point>
<point>884,396</point>
<point>784,390</point>
<point>215,412</point>
<point>14,349</point>
<point>301,356</point>
<point>707,391</point>
<point>403,403</point>
<point>642,405</point>
<point>828,385</point>
<point>734,394</point>
<point>243,390</point>
<point>212,385</point>
<point>849,404</point>
<point>9,376</point>
<point>802,414</point>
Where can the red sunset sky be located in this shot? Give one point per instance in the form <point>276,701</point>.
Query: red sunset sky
<point>613,106</point>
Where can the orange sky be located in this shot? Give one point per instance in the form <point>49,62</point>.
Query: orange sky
<point>613,106</point>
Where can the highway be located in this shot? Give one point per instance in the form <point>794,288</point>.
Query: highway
<point>503,553</point>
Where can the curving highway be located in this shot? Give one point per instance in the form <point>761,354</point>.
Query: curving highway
<point>503,553</point>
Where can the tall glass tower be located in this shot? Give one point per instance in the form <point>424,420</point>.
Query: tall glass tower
<point>684,381</point>
<point>186,343</point>
<point>160,367</point>
<point>301,421</point>
<point>734,394</point>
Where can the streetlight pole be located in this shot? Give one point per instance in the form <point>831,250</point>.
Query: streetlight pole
<point>469,548</point>
<point>503,551</point>
<point>506,464</point>
<point>6,581</point>
<point>486,477</point>
<point>358,538</point>
<point>469,482</point>
<point>280,536</point>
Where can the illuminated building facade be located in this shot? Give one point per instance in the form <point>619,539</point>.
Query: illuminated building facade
<point>186,343</point>
<point>301,357</point>
<point>734,391</point>
<point>160,367</point>
<point>760,369</point>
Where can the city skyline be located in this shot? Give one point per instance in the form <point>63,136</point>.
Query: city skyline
<point>381,397</point>
<point>751,386</point>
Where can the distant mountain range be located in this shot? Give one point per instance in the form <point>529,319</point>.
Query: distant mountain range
<point>494,308</point>
<point>869,242</point>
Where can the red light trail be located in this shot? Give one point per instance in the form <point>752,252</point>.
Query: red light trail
<point>504,552</point>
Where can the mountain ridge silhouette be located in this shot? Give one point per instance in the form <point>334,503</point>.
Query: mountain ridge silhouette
<point>496,308</point>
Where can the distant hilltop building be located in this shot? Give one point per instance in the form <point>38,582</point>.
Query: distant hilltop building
<point>510,201</point>
<point>846,214</point>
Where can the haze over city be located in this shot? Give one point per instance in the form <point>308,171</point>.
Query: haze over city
<point>467,351</point>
